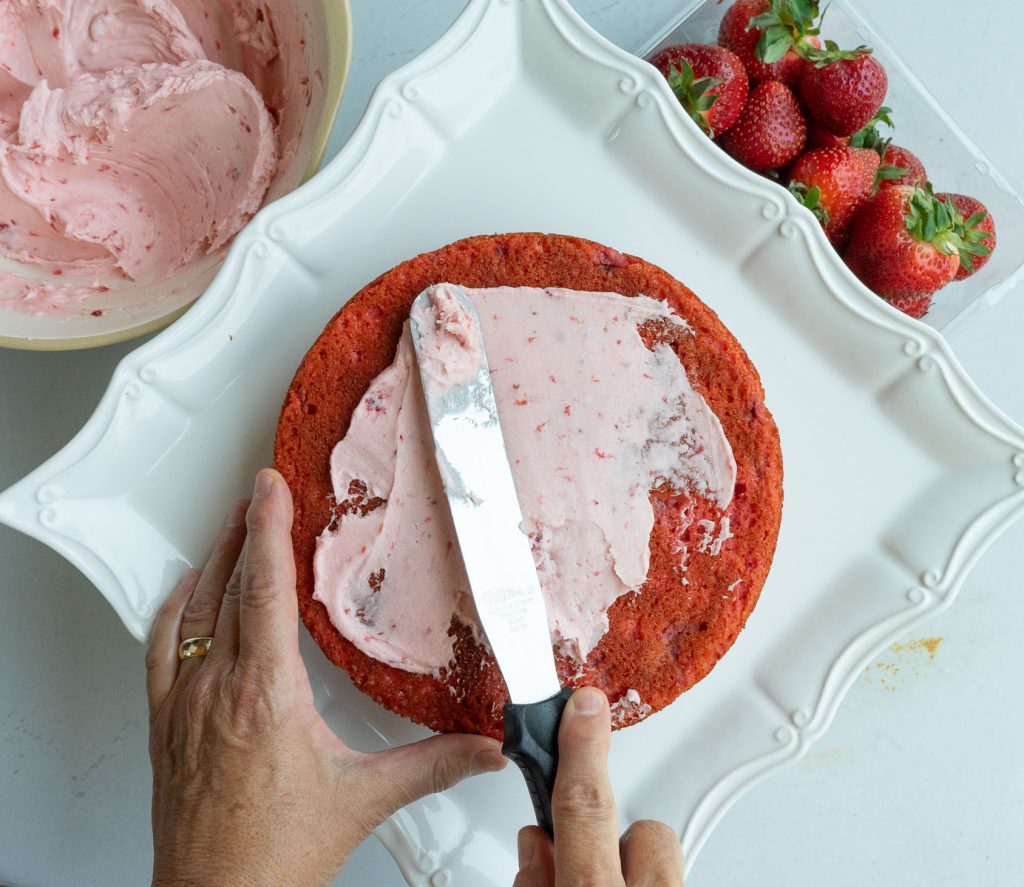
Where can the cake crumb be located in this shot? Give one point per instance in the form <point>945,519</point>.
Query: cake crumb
<point>886,670</point>
<point>626,705</point>
<point>925,645</point>
<point>713,537</point>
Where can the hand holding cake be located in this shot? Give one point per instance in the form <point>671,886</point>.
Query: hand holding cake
<point>251,786</point>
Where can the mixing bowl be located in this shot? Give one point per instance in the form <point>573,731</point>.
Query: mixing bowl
<point>322,31</point>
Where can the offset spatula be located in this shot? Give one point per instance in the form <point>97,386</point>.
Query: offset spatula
<point>471,457</point>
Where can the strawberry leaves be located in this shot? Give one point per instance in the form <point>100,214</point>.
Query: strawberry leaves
<point>830,53</point>
<point>888,172</point>
<point>811,199</point>
<point>939,222</point>
<point>788,25</point>
<point>694,93</point>
<point>784,26</point>
<point>972,236</point>
<point>870,137</point>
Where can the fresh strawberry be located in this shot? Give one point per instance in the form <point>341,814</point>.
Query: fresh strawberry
<point>709,81</point>
<point>833,183</point>
<point>915,306</point>
<point>768,36</point>
<point>819,137</point>
<point>901,159</point>
<point>979,228</point>
<point>891,169</point>
<point>771,130</point>
<point>905,243</point>
<point>842,90</point>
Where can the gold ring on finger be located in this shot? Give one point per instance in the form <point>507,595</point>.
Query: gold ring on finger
<point>194,647</point>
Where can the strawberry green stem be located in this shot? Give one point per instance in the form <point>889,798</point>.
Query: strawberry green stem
<point>694,93</point>
<point>784,26</point>
<point>939,222</point>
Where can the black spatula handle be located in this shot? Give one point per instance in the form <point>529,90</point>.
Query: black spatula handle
<point>531,740</point>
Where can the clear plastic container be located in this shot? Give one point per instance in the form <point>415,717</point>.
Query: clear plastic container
<point>953,161</point>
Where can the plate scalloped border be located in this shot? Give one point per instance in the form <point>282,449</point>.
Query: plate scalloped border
<point>26,505</point>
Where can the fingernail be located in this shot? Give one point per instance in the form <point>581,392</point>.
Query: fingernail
<point>527,849</point>
<point>588,701</point>
<point>487,761</point>
<point>264,481</point>
<point>236,516</point>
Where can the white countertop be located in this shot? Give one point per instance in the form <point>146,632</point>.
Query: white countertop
<point>919,781</point>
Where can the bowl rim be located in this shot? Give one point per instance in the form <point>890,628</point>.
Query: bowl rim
<point>338,15</point>
<point>338,22</point>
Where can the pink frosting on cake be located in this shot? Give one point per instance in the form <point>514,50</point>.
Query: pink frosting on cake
<point>449,351</point>
<point>593,419</point>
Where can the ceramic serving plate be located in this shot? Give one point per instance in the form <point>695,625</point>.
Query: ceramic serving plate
<point>898,471</point>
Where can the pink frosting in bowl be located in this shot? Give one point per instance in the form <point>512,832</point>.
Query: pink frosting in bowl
<point>137,137</point>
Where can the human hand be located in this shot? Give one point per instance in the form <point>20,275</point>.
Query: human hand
<point>587,850</point>
<point>250,786</point>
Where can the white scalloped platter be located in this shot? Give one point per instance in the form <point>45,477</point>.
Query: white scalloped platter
<point>898,471</point>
